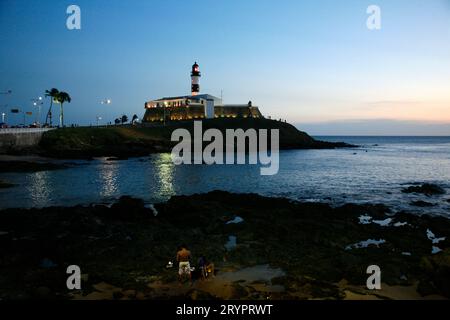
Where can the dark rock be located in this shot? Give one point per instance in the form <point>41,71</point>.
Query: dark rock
<point>238,292</point>
<point>116,158</point>
<point>437,268</point>
<point>4,185</point>
<point>307,241</point>
<point>426,188</point>
<point>195,294</point>
<point>42,293</point>
<point>25,166</point>
<point>47,264</point>
<point>118,295</point>
<point>422,204</point>
<point>308,288</point>
<point>129,208</point>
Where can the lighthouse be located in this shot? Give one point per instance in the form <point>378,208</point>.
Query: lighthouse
<point>195,77</point>
<point>196,106</point>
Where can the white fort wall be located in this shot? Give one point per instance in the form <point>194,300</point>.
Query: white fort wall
<point>21,137</point>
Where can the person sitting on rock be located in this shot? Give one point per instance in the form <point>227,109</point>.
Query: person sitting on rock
<point>184,267</point>
<point>206,267</point>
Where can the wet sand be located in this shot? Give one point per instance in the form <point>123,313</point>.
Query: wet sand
<point>256,280</point>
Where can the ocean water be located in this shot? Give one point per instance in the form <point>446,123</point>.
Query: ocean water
<point>375,172</point>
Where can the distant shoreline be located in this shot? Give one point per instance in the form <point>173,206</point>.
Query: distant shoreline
<point>135,141</point>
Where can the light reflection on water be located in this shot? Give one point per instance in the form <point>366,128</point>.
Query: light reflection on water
<point>40,188</point>
<point>337,176</point>
<point>108,174</point>
<point>164,171</point>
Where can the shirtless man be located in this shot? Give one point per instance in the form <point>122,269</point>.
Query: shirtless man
<point>184,267</point>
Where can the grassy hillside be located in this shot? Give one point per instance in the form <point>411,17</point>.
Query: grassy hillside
<point>125,141</point>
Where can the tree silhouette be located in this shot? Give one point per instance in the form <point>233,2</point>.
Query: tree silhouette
<point>52,93</point>
<point>61,98</point>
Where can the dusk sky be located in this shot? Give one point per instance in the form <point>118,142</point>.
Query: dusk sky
<point>314,63</point>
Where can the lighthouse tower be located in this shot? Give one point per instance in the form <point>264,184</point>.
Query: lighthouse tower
<point>195,77</point>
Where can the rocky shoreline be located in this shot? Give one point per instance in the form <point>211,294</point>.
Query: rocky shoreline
<point>29,166</point>
<point>305,250</point>
<point>127,141</point>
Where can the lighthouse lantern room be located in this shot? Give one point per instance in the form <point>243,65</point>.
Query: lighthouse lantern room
<point>195,77</point>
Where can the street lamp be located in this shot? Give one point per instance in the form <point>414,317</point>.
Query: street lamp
<point>7,92</point>
<point>106,102</point>
<point>38,103</point>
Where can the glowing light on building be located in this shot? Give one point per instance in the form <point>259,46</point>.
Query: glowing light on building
<point>196,106</point>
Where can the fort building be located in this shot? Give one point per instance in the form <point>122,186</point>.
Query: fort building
<point>196,106</point>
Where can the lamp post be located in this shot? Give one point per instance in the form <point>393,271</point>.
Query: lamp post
<point>7,92</point>
<point>4,112</point>
<point>38,103</point>
<point>107,102</point>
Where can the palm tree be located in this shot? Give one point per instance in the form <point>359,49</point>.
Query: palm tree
<point>61,98</point>
<point>52,93</point>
